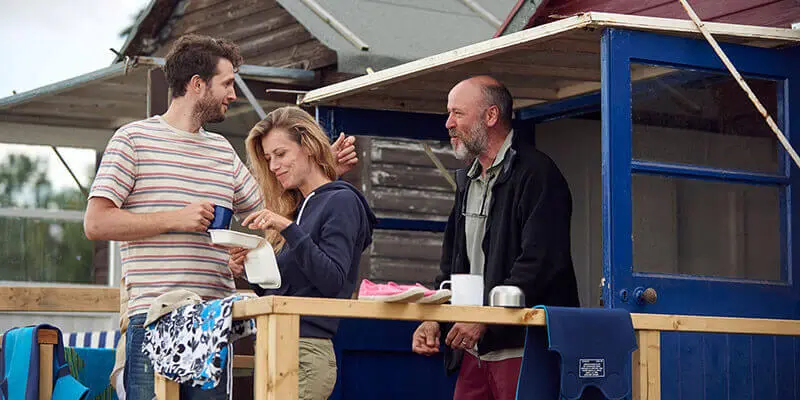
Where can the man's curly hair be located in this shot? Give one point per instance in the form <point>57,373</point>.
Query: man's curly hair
<point>197,55</point>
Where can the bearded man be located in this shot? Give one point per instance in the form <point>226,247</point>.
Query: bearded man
<point>510,223</point>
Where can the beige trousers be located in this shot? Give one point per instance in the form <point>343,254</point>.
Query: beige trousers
<point>317,373</point>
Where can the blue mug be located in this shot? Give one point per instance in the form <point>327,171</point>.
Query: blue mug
<point>222,218</point>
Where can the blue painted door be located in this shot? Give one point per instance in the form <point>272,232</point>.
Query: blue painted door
<point>700,205</point>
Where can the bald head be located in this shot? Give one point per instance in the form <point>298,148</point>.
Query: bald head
<point>479,117</point>
<point>486,92</point>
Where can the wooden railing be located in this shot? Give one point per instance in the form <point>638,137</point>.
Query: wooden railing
<point>278,324</point>
<point>59,298</point>
<point>277,319</point>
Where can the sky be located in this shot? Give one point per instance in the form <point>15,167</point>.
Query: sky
<point>46,41</point>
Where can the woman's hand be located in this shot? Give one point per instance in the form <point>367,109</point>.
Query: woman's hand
<point>236,262</point>
<point>266,219</point>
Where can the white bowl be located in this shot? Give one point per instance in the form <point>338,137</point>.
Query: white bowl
<point>227,237</point>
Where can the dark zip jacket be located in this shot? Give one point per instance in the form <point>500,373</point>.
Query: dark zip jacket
<point>526,244</point>
<point>323,249</point>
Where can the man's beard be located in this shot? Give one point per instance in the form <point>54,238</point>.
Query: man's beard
<point>209,110</point>
<point>473,144</point>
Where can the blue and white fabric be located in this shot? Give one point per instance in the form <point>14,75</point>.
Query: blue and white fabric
<point>194,343</point>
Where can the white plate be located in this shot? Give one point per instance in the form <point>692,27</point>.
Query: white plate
<point>227,237</point>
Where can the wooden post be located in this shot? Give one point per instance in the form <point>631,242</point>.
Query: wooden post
<point>283,357</point>
<point>157,92</point>
<point>47,339</point>
<point>166,389</point>
<point>261,353</point>
<point>639,367</point>
<point>45,371</point>
<point>277,357</point>
<point>647,366</point>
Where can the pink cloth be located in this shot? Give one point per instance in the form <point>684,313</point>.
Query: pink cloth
<point>430,296</point>
<point>389,292</point>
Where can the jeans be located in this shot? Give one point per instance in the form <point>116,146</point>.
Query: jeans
<point>139,382</point>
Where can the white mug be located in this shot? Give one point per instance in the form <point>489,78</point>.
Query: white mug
<point>467,289</point>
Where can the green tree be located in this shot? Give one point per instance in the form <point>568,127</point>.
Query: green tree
<point>40,249</point>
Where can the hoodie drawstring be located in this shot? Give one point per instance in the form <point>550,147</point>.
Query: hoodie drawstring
<point>303,207</point>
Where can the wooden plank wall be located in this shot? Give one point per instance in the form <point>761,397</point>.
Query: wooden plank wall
<point>400,181</point>
<point>265,32</point>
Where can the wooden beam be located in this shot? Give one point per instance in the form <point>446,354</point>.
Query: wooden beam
<point>252,308</point>
<point>729,32</point>
<point>58,298</point>
<point>344,308</point>
<point>380,310</point>
<point>551,59</point>
<point>688,323</point>
<point>84,299</point>
<point>396,104</point>
<point>540,71</point>
<point>587,42</point>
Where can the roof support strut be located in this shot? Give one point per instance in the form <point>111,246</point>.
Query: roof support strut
<point>736,75</point>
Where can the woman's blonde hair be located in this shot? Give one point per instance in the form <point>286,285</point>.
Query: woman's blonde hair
<point>304,130</point>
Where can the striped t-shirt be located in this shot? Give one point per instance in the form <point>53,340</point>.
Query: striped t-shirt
<point>150,166</point>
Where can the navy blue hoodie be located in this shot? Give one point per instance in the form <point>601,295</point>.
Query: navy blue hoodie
<point>323,249</point>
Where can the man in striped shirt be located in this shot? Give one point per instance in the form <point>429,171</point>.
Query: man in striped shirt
<point>156,187</point>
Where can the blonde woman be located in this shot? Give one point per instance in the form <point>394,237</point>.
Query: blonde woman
<point>318,227</point>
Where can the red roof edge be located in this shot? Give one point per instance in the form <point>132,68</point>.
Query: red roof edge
<point>509,17</point>
<point>536,14</point>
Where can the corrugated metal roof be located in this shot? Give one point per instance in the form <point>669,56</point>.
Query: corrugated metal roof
<point>115,95</point>
<point>396,31</point>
